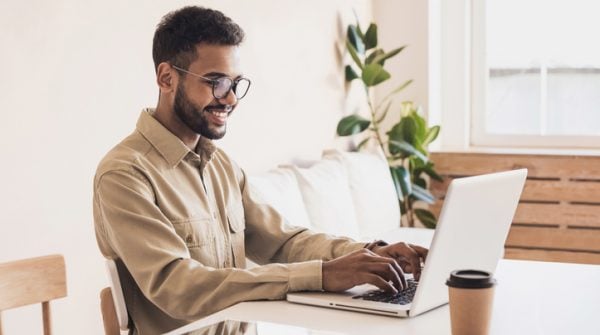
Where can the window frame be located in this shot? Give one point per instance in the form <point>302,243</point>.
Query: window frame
<point>478,91</point>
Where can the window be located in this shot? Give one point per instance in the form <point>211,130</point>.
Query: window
<point>535,73</point>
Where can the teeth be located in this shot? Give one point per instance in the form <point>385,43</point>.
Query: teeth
<point>219,114</point>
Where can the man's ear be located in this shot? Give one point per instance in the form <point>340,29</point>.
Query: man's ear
<point>165,77</point>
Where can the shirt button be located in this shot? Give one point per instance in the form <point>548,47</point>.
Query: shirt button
<point>215,215</point>
<point>189,239</point>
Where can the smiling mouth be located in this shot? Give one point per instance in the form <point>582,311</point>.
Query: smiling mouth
<point>219,114</point>
<point>218,110</point>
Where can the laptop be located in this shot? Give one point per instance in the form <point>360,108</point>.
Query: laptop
<point>471,231</point>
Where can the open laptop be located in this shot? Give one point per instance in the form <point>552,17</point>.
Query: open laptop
<point>471,231</point>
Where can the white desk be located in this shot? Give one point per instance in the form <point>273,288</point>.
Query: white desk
<point>531,298</point>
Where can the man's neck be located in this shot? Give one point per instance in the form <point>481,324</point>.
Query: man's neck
<point>170,121</point>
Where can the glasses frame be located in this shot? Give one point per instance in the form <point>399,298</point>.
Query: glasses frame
<point>214,82</point>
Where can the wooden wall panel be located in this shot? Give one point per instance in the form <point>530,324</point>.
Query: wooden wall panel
<point>554,238</point>
<point>558,218</point>
<point>552,255</point>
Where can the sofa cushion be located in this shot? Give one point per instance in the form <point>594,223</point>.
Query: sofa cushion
<point>326,194</point>
<point>279,188</point>
<point>372,190</point>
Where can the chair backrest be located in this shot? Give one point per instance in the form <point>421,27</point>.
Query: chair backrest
<point>109,314</point>
<point>35,280</point>
<point>114,310</point>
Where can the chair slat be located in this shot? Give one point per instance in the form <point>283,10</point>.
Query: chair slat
<point>109,314</point>
<point>30,281</point>
<point>47,315</point>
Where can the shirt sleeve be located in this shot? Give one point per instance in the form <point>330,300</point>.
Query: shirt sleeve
<point>130,225</point>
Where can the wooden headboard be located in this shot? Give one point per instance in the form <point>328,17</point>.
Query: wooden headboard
<point>558,217</point>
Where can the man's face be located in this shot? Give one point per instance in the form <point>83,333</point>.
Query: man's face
<point>194,102</point>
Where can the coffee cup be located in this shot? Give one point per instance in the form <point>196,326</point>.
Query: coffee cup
<point>471,294</point>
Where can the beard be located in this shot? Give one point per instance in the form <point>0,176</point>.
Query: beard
<point>195,117</point>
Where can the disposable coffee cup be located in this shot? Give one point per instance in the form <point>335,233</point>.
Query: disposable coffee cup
<point>471,295</point>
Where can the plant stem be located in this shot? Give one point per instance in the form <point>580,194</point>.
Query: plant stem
<point>409,213</point>
<point>375,123</point>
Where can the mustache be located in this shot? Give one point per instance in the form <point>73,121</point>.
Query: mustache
<point>224,108</point>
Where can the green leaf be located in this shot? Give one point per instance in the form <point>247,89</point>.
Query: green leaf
<point>406,149</point>
<point>384,113</point>
<point>374,74</point>
<point>354,55</point>
<point>404,179</point>
<point>429,170</point>
<point>417,164</point>
<point>401,178</point>
<point>397,89</point>
<point>350,74</point>
<point>352,124</point>
<point>372,56</point>
<point>422,194</point>
<point>382,58</point>
<point>371,37</point>
<point>421,182</point>
<point>404,130</point>
<point>432,134</point>
<point>410,130</point>
<point>420,131</point>
<point>355,40</point>
<point>426,218</point>
<point>397,185</point>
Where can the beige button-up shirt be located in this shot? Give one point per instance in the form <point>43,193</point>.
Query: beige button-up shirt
<point>180,224</point>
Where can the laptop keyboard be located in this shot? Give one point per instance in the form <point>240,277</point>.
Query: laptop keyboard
<point>401,298</point>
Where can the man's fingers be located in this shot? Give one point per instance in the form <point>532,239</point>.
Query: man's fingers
<point>415,263</point>
<point>387,272</point>
<point>380,283</point>
<point>420,250</point>
<point>389,267</point>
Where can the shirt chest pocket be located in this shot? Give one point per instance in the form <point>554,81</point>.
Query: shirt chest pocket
<point>195,232</point>
<point>199,237</point>
<point>237,225</point>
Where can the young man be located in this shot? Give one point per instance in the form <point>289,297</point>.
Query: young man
<point>180,219</point>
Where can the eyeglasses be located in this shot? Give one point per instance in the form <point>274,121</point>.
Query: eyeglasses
<point>222,85</point>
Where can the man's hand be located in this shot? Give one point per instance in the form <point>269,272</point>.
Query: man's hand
<point>382,267</point>
<point>409,256</point>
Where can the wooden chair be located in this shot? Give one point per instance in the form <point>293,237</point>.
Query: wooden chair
<point>35,280</point>
<point>112,303</point>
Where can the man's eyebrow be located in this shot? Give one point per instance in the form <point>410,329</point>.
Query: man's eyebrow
<point>218,74</point>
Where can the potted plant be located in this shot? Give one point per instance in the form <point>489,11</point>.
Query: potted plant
<point>405,144</point>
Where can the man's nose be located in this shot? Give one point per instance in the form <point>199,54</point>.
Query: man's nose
<point>229,99</point>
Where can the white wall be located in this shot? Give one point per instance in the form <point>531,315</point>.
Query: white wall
<point>76,74</point>
<point>404,22</point>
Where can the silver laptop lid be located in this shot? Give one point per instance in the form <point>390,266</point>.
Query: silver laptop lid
<point>471,232</point>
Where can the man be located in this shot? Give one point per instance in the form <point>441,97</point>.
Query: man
<point>178,215</point>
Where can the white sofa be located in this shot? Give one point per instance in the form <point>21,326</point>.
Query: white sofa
<point>345,193</point>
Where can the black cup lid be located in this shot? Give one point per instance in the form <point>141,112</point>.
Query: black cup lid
<point>470,279</point>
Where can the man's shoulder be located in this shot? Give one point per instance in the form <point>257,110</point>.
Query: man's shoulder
<point>126,155</point>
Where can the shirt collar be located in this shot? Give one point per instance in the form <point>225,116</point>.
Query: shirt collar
<point>168,145</point>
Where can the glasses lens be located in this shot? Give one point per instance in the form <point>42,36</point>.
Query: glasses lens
<point>221,87</point>
<point>241,87</point>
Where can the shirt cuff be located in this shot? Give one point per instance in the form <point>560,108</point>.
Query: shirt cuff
<point>353,246</point>
<point>306,276</point>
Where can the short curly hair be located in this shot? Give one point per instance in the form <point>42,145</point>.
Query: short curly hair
<point>179,32</point>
